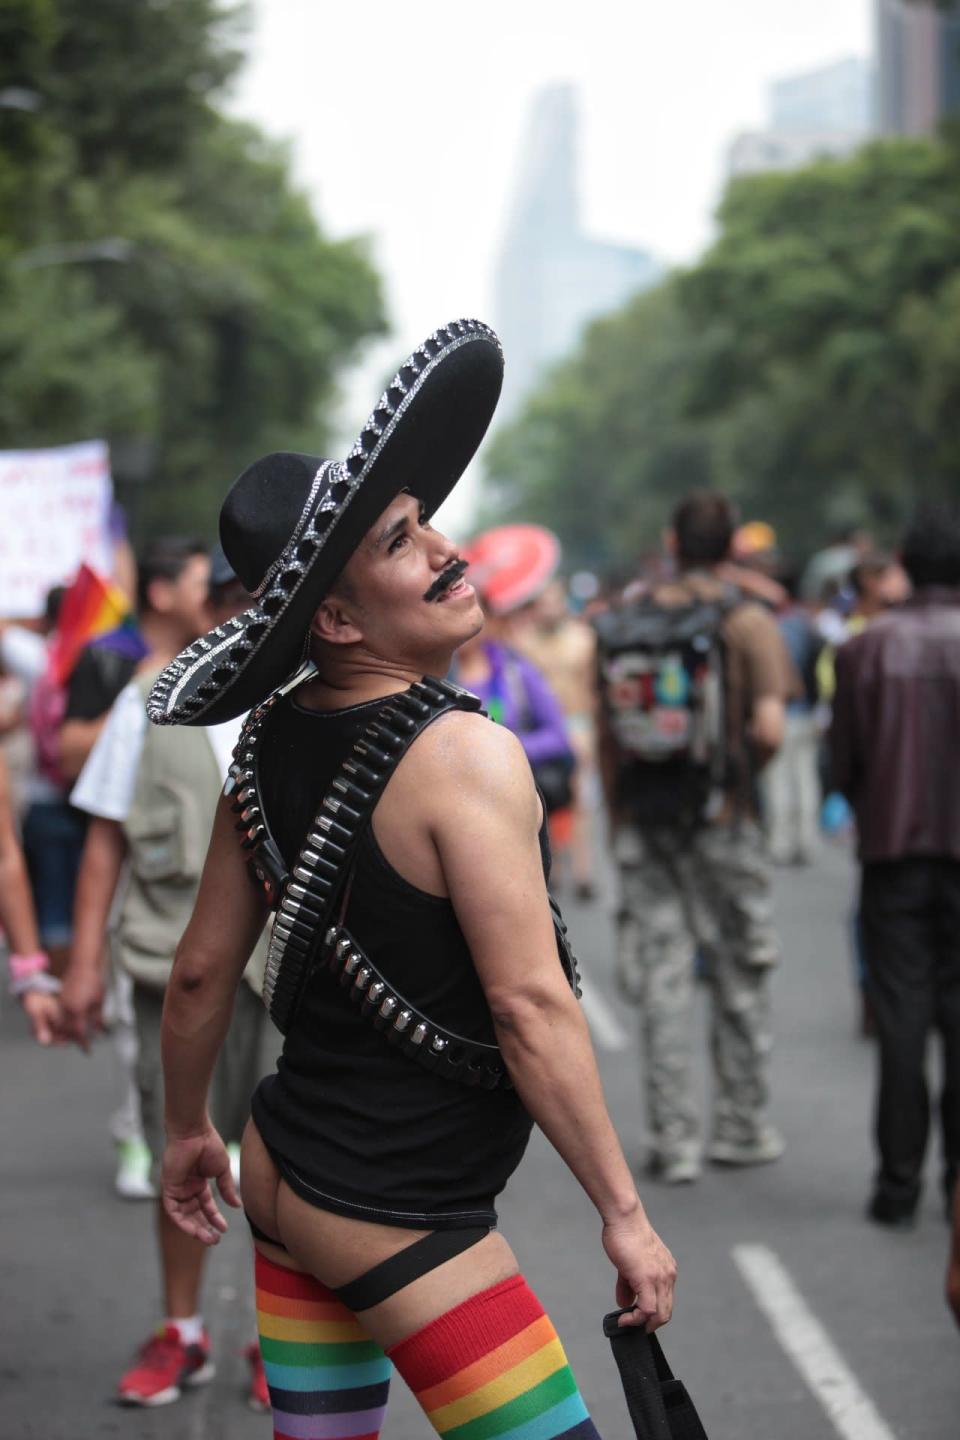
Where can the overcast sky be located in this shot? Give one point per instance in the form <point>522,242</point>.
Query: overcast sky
<point>405,122</point>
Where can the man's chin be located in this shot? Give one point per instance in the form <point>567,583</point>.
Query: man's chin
<point>473,622</point>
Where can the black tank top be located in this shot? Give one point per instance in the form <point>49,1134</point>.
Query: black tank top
<point>355,1125</point>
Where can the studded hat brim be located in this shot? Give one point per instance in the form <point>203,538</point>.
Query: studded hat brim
<point>420,437</point>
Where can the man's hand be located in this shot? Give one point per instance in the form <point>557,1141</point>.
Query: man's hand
<point>81,1000</point>
<point>646,1271</point>
<point>189,1164</point>
<point>45,1014</point>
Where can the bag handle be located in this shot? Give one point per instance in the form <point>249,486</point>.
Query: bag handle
<point>643,1366</point>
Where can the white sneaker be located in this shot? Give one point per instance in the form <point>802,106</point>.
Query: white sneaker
<point>766,1147</point>
<point>132,1180</point>
<point>682,1169</point>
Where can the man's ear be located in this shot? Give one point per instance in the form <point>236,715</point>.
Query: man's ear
<point>334,623</point>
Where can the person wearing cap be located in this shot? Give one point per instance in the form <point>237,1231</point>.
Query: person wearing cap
<point>370,1169</point>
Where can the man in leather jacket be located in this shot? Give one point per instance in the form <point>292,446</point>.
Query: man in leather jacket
<point>894,743</point>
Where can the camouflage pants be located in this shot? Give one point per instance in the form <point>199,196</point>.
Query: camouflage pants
<point>681,893</point>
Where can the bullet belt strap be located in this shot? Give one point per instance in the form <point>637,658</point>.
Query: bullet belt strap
<point>470,1062</point>
<point>303,936</point>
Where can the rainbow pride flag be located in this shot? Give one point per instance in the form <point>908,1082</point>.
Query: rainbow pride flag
<point>92,606</point>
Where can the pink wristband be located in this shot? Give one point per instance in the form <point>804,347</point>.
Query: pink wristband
<point>23,966</point>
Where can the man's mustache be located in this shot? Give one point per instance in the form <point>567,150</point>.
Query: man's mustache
<point>449,577</point>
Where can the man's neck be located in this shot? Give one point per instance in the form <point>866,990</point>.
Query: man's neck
<point>354,679</point>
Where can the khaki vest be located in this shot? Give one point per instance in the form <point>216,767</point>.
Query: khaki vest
<point>167,831</point>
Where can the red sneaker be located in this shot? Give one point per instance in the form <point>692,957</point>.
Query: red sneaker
<point>258,1396</point>
<point>164,1365</point>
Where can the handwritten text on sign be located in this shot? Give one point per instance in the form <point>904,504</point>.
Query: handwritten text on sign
<point>55,509</point>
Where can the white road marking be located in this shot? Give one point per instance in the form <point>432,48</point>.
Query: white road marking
<point>853,1413</point>
<point>605,1028</point>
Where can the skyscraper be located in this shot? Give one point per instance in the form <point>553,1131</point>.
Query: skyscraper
<point>552,278</point>
<point>837,97</point>
<point>918,49</point>
<point>822,112</point>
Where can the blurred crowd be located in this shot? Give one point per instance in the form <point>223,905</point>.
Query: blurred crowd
<point>727,709</point>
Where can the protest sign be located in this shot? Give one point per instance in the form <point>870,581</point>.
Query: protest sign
<point>55,509</point>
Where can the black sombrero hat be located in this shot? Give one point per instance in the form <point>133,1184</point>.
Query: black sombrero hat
<point>291,522</point>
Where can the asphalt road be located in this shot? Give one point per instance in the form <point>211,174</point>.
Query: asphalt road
<point>795,1318</point>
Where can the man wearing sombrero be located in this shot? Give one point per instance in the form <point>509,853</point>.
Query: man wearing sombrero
<point>399,834</point>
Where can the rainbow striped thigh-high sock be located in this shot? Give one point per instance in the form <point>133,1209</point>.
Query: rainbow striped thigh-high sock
<point>494,1369</point>
<point>327,1379</point>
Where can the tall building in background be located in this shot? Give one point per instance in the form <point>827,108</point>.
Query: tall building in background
<point>918,51</point>
<point>837,98</point>
<point>552,278</point>
<point>828,111</point>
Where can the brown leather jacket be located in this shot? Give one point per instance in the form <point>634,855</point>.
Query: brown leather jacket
<point>895,739</point>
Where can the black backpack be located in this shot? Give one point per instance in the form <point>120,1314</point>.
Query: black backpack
<point>663,687</point>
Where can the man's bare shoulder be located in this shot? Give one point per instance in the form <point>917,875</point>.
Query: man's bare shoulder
<point>464,758</point>
<point>465,743</point>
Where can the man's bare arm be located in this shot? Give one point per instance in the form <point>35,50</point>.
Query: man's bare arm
<point>225,925</point>
<point>16,901</point>
<point>767,727</point>
<point>19,920</point>
<point>485,823</point>
<point>104,851</point>
<point>227,919</point>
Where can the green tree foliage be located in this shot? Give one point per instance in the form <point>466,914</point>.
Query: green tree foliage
<point>809,365</point>
<point>217,330</point>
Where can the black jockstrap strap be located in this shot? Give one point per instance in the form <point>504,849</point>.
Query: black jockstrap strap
<point>400,1270</point>
<point>408,1265</point>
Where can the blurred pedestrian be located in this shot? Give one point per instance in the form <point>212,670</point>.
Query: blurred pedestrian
<point>791,781</point>
<point>693,682</point>
<point>103,668</point>
<point>71,720</point>
<point>152,795</point>
<point>832,564</point>
<point>31,980</point>
<point>894,743</point>
<point>877,582</point>
<point>52,831</point>
<point>564,648</point>
<point>509,565</point>
<point>515,693</point>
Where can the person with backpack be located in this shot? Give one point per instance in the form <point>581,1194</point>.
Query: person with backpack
<point>692,684</point>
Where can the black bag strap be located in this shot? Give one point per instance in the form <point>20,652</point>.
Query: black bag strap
<point>642,1366</point>
<point>659,1405</point>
